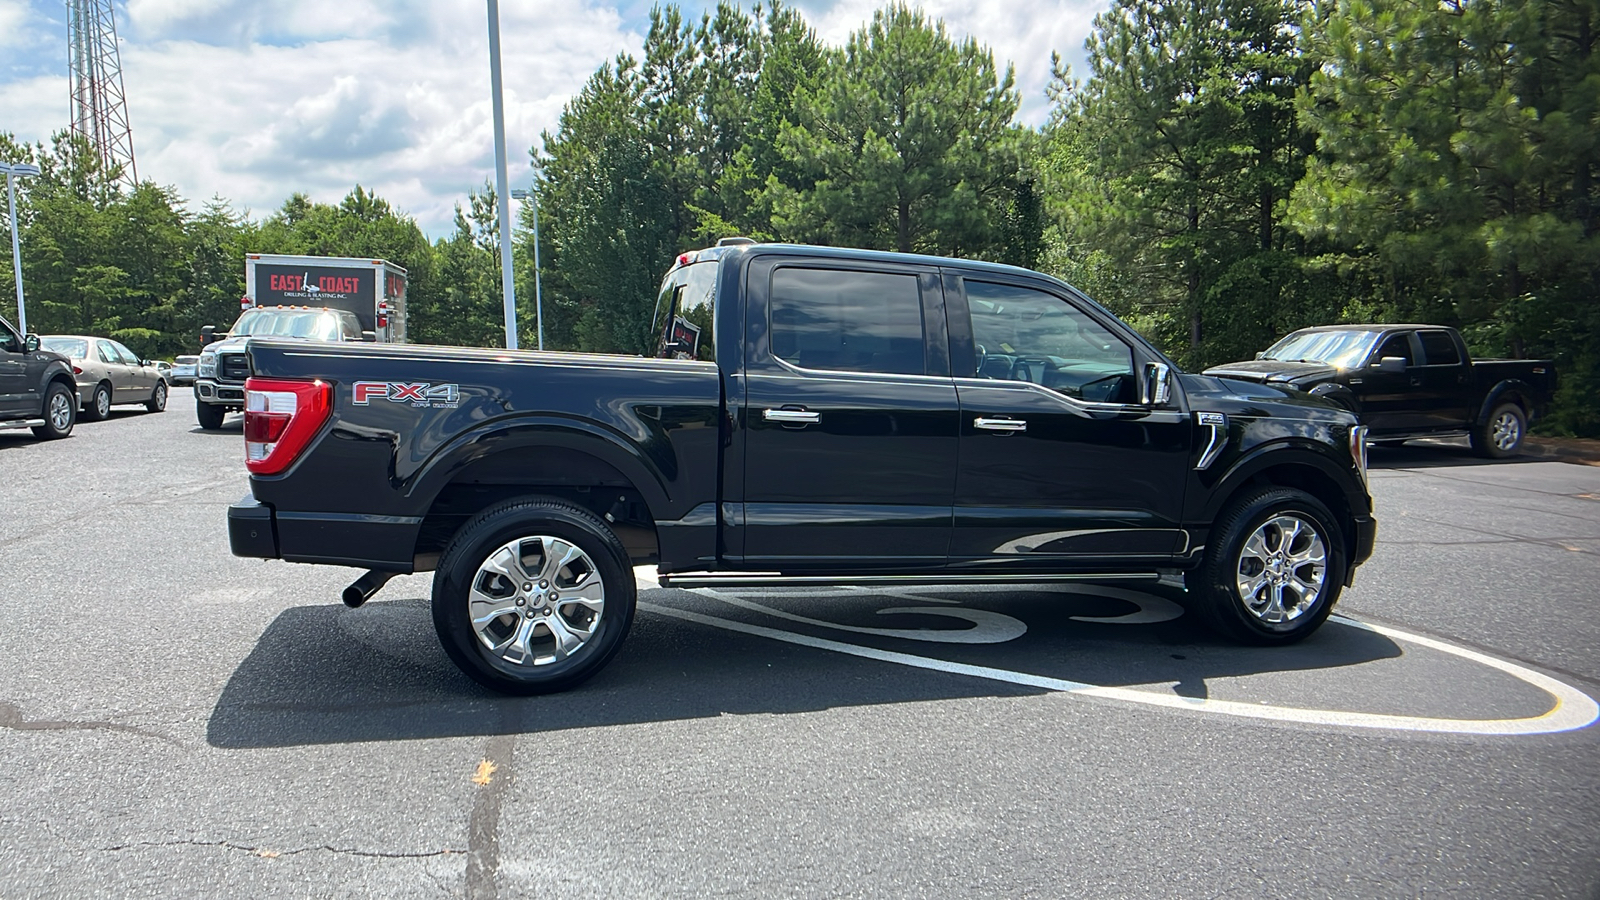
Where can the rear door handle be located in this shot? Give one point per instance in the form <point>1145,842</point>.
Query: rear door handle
<point>791,416</point>
<point>1000,424</point>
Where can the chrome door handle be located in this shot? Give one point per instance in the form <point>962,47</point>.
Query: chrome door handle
<point>999,424</point>
<point>791,416</point>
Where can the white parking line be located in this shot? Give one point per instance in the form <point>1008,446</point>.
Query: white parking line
<point>1573,708</point>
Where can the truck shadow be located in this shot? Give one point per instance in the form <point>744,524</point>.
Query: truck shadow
<point>329,675</point>
<point>1434,454</point>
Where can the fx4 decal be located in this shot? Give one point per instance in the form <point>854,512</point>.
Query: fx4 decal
<point>420,393</point>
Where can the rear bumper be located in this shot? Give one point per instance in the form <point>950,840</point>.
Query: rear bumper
<point>258,531</point>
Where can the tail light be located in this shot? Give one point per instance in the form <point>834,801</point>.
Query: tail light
<point>77,370</point>
<point>280,419</point>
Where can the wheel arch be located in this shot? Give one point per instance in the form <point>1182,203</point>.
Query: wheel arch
<point>1287,465</point>
<point>564,460</point>
<point>1512,390</point>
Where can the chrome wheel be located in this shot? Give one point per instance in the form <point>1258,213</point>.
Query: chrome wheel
<point>60,411</point>
<point>1506,431</point>
<point>536,601</point>
<point>102,403</point>
<point>158,398</point>
<point>1282,569</point>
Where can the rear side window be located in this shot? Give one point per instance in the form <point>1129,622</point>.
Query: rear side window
<point>1438,349</point>
<point>686,312</point>
<point>107,354</point>
<point>840,320</point>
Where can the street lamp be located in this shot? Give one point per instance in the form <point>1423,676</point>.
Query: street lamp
<point>507,287</point>
<point>11,172</point>
<point>538,294</point>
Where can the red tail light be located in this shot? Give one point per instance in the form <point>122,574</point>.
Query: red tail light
<point>280,419</point>
<point>77,370</point>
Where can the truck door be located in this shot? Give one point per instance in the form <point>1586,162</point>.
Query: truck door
<point>850,416</point>
<point>1391,402</point>
<point>1058,458</point>
<point>1445,381</point>
<point>15,392</point>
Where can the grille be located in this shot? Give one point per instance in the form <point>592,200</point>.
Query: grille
<point>233,367</point>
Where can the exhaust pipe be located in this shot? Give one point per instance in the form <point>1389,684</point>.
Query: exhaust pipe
<point>362,589</point>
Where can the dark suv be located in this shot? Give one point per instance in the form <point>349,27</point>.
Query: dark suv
<point>36,386</point>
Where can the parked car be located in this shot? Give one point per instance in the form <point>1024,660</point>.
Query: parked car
<point>1409,381</point>
<point>108,374</point>
<point>184,370</point>
<point>36,386</point>
<point>815,416</point>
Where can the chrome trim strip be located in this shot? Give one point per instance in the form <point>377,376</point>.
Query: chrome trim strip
<point>1006,425</point>
<point>791,416</point>
<point>773,579</point>
<point>1218,424</point>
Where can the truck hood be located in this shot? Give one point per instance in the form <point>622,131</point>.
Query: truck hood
<point>1274,371</point>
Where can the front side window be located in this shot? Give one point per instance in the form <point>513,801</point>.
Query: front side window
<point>1022,334</point>
<point>685,313</point>
<point>8,339</point>
<point>128,357</point>
<point>839,320</point>
<point>1397,345</point>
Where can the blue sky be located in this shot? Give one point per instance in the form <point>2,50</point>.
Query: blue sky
<point>250,101</point>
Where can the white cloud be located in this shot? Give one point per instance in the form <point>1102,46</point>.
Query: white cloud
<point>1021,33</point>
<point>252,101</point>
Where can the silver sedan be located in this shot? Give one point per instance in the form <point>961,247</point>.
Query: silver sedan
<point>109,373</point>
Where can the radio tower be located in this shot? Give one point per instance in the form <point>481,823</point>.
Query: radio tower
<point>99,105</point>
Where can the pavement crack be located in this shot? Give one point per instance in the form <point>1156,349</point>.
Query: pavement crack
<point>273,853</point>
<point>483,831</point>
<point>11,717</point>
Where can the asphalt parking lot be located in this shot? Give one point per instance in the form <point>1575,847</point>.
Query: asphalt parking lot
<point>175,721</point>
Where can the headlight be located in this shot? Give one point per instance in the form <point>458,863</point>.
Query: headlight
<point>208,365</point>
<point>1358,450</point>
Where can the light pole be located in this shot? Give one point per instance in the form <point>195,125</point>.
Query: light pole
<point>538,294</point>
<point>507,286</point>
<point>11,172</point>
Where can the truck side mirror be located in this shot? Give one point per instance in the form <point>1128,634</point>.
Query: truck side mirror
<point>1392,365</point>
<point>207,334</point>
<point>1157,384</point>
<point>30,343</point>
<point>370,337</point>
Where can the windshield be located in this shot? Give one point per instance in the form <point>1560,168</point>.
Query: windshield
<point>314,325</point>
<point>72,348</point>
<point>1344,349</point>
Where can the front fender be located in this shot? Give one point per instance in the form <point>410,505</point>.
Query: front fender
<point>1286,452</point>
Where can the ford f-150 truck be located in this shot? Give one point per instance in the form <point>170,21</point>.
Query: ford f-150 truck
<point>37,389</point>
<point>1409,381</point>
<point>814,416</point>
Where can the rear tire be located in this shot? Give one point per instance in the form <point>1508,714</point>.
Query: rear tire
<point>60,412</point>
<point>1274,568</point>
<point>210,417</point>
<point>1500,436</point>
<point>158,398</point>
<point>533,596</point>
<point>99,405</point>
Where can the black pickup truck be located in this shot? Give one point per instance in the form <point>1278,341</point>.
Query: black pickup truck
<point>1409,381</point>
<point>37,389</point>
<point>814,416</point>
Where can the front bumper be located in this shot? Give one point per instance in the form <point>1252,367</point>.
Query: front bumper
<point>209,391</point>
<point>1366,539</point>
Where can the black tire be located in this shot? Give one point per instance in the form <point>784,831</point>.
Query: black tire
<point>1222,602</point>
<point>1500,436</point>
<point>158,398</point>
<point>60,404</point>
<point>522,523</point>
<point>209,416</point>
<point>99,405</point>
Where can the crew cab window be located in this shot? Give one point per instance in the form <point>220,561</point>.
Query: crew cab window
<point>1023,334</point>
<point>847,321</point>
<point>685,313</point>
<point>8,340</point>
<point>1438,349</point>
<point>1397,345</point>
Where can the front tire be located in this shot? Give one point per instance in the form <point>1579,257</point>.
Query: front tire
<point>209,416</point>
<point>60,412</point>
<point>158,398</point>
<point>533,596</point>
<point>1274,568</point>
<point>99,406</point>
<point>1500,436</point>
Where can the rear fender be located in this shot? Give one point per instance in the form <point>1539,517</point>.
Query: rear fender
<point>1512,388</point>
